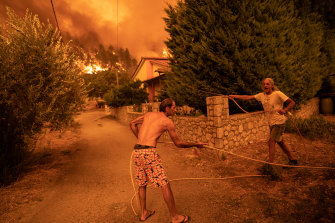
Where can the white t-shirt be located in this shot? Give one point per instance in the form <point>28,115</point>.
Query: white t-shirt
<point>271,104</point>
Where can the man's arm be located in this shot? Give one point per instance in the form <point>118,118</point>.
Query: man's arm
<point>133,124</point>
<point>242,97</point>
<point>290,104</point>
<point>178,142</point>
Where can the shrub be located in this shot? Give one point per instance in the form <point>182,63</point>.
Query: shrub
<point>314,127</point>
<point>40,84</point>
<point>128,94</point>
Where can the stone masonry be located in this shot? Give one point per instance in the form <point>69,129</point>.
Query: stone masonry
<point>218,129</point>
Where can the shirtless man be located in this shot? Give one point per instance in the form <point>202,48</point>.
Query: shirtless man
<point>148,165</point>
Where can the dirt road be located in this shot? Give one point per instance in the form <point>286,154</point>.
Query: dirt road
<point>96,187</point>
<point>93,184</point>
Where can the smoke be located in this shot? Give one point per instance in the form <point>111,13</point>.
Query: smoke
<point>136,25</point>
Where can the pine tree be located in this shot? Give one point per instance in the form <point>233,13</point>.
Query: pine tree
<point>228,47</point>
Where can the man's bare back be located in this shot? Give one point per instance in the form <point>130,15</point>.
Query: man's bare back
<point>153,126</point>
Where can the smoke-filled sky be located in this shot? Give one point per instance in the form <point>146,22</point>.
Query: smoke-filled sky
<point>141,28</point>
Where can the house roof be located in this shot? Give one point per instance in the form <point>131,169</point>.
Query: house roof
<point>154,78</point>
<point>160,61</point>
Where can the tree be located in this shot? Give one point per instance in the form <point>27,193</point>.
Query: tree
<point>39,84</point>
<point>116,59</point>
<point>326,10</point>
<point>99,83</point>
<point>228,47</point>
<point>128,94</point>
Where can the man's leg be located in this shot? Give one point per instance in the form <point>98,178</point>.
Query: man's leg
<point>142,194</point>
<point>285,149</point>
<point>272,150</point>
<point>169,199</point>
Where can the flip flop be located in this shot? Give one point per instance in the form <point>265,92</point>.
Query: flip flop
<point>186,219</point>
<point>151,214</point>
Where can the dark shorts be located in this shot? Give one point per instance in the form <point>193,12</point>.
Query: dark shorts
<point>276,132</point>
<point>148,167</point>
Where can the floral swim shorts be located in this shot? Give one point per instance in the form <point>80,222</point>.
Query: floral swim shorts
<point>148,167</point>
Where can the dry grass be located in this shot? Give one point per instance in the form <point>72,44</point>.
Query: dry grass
<point>49,160</point>
<point>298,195</point>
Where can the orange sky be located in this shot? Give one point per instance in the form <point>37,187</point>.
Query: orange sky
<point>140,29</point>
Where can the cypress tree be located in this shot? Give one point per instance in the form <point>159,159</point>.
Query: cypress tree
<point>228,47</point>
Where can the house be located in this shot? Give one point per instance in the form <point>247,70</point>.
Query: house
<point>150,71</point>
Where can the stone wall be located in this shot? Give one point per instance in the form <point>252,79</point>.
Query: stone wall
<point>218,129</point>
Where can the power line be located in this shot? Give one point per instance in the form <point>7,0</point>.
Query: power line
<point>53,9</point>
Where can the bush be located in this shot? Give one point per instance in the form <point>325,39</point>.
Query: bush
<point>314,127</point>
<point>40,84</point>
<point>99,83</point>
<point>128,94</point>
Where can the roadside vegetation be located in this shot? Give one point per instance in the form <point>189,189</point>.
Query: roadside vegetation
<point>315,127</point>
<point>40,86</point>
<point>45,81</point>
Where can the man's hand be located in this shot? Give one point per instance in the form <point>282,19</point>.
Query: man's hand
<point>201,144</point>
<point>282,111</point>
<point>133,124</point>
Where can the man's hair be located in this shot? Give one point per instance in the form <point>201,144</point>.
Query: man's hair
<point>165,103</point>
<point>274,87</point>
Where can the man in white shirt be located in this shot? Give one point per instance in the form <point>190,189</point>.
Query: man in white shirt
<point>273,103</point>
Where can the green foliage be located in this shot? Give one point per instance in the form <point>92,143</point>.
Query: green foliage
<point>128,94</point>
<point>326,10</point>
<point>97,84</point>
<point>39,84</point>
<point>119,59</point>
<point>228,47</point>
<point>118,64</point>
<point>314,127</point>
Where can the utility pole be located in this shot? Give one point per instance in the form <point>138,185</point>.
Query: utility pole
<point>117,40</point>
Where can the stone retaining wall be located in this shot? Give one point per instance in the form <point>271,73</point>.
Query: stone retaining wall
<point>218,129</point>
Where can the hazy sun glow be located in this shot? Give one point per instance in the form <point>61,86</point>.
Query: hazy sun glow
<point>166,53</point>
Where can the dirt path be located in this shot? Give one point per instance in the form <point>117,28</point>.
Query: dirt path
<point>87,180</point>
<point>95,186</point>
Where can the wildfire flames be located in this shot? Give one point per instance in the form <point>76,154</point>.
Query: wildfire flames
<point>93,68</point>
